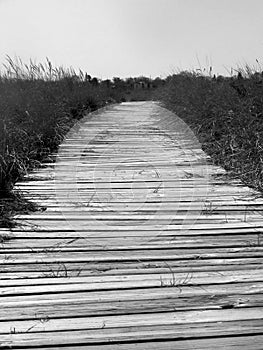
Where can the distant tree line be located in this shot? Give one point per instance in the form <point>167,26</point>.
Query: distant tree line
<point>130,83</point>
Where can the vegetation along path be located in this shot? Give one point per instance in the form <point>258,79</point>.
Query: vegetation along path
<point>144,244</point>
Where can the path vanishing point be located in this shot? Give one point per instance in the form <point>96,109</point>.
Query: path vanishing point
<point>144,244</point>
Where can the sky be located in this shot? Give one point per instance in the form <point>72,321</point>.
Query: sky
<point>109,38</point>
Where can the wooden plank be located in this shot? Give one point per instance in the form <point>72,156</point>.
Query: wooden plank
<point>153,242</point>
<point>171,231</point>
<point>116,282</point>
<point>124,335</point>
<point>81,308</point>
<point>249,342</point>
<point>132,255</point>
<point>213,291</point>
<point>57,269</point>
<point>136,320</point>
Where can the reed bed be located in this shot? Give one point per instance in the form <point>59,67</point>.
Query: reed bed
<point>39,103</point>
<point>226,114</point>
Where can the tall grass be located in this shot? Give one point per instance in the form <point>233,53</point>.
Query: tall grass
<point>38,105</point>
<point>227,116</point>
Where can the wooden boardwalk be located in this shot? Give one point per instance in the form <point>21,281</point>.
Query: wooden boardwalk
<point>143,244</point>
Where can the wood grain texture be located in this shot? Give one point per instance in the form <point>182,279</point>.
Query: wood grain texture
<point>142,244</point>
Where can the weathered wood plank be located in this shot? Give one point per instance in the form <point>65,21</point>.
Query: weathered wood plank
<point>185,291</point>
<point>103,255</point>
<point>81,308</point>
<point>138,320</point>
<point>57,269</point>
<point>228,343</point>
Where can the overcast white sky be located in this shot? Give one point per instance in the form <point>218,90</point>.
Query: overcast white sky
<point>125,38</point>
